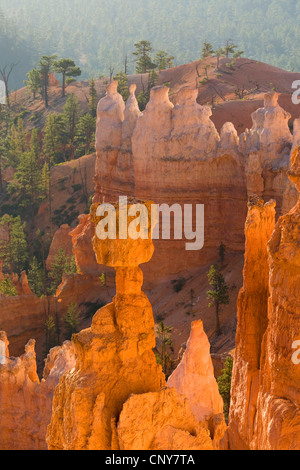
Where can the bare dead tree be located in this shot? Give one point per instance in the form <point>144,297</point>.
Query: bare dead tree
<point>111,72</point>
<point>126,64</point>
<point>5,73</point>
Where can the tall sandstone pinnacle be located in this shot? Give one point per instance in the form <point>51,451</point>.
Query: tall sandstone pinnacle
<point>265,408</point>
<point>116,397</point>
<point>194,376</point>
<point>252,316</point>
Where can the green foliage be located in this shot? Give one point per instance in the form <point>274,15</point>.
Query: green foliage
<point>7,288</point>
<point>95,34</point>
<point>68,70</point>
<point>27,184</point>
<point>72,319</point>
<point>143,60</point>
<point>85,134</point>
<point>224,383</point>
<point>61,265</point>
<point>93,98</point>
<point>122,80</point>
<point>71,116</point>
<point>163,60</point>
<point>207,50</point>
<point>219,294</point>
<point>34,82</point>
<point>165,348</point>
<point>13,245</point>
<point>45,66</point>
<point>36,277</point>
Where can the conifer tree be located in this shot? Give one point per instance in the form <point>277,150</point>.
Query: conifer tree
<point>219,294</point>
<point>68,69</point>
<point>45,66</point>
<point>13,245</point>
<point>143,59</point>
<point>93,98</point>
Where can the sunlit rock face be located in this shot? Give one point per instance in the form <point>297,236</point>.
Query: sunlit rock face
<point>115,357</point>
<point>252,315</point>
<point>194,377</point>
<point>265,408</point>
<point>278,404</point>
<point>117,381</point>
<point>25,402</point>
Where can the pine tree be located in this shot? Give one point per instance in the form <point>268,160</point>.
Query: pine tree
<point>224,383</point>
<point>165,347</point>
<point>8,288</point>
<point>218,54</point>
<point>35,277</point>
<point>93,98</point>
<point>34,82</point>
<point>122,80</point>
<point>219,295</point>
<point>61,265</point>
<point>27,183</point>
<point>71,116</point>
<point>67,68</point>
<point>45,67</point>
<point>143,59</point>
<point>163,61</point>
<point>85,132</point>
<point>13,244</point>
<point>207,50</point>
<point>72,319</point>
<point>16,143</point>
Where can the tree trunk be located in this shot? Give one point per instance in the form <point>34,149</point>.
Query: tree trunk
<point>64,84</point>
<point>218,326</point>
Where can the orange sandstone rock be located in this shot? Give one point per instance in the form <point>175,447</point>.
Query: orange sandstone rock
<point>61,241</point>
<point>278,404</point>
<point>265,407</point>
<point>161,421</point>
<point>194,377</point>
<point>114,398</point>
<point>114,356</point>
<point>252,318</point>
<point>25,402</point>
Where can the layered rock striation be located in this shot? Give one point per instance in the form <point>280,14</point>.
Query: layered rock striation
<point>265,408</point>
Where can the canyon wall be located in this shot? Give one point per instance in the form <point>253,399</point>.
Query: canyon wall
<point>265,408</point>
<point>172,153</point>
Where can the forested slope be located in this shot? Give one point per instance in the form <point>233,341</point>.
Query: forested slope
<point>98,34</point>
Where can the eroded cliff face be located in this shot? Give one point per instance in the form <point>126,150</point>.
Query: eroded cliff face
<point>172,153</point>
<point>252,317</point>
<point>279,391</point>
<point>117,382</point>
<point>266,148</point>
<point>265,408</point>
<point>25,402</point>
